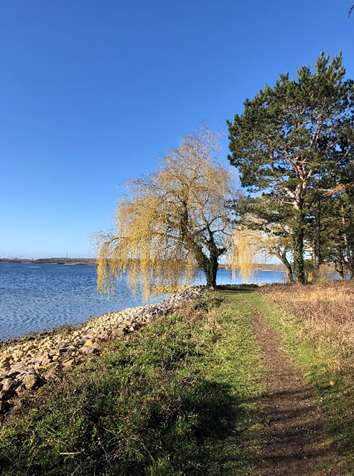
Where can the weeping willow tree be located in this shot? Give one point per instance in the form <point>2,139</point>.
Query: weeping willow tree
<point>279,245</point>
<point>172,222</point>
<point>245,253</point>
<point>252,247</point>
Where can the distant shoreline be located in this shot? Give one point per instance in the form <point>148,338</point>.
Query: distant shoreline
<point>92,261</point>
<point>67,261</point>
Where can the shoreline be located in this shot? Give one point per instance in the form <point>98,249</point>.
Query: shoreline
<point>92,262</point>
<point>63,261</point>
<point>27,363</point>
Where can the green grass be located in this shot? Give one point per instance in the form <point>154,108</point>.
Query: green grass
<point>176,398</point>
<point>334,387</point>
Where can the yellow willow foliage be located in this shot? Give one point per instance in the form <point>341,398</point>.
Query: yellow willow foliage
<point>252,248</point>
<point>164,225</point>
<point>245,254</point>
<point>276,241</point>
<point>276,245</point>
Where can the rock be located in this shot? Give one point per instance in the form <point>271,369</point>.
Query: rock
<point>118,333</point>
<point>90,350</point>
<point>78,341</point>
<point>29,347</point>
<point>103,335</point>
<point>7,394</point>
<point>69,363</point>
<point>31,381</point>
<point>9,384</point>
<point>5,363</point>
<point>4,405</point>
<point>46,360</point>
<point>12,374</point>
<point>62,347</point>
<point>88,343</point>
<point>18,354</point>
<point>17,367</point>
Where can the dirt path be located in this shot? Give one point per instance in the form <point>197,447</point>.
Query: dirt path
<point>294,440</point>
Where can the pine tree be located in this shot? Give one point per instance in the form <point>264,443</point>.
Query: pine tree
<point>290,140</point>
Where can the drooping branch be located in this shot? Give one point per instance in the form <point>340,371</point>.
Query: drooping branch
<point>174,221</point>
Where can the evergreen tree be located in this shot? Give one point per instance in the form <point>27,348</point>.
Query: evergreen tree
<point>291,141</point>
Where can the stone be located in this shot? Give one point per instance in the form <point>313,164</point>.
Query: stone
<point>46,360</point>
<point>69,363</point>
<point>6,394</point>
<point>88,343</point>
<point>9,384</point>
<point>90,350</point>
<point>4,405</point>
<point>103,335</point>
<point>5,363</point>
<point>18,354</point>
<point>12,374</point>
<point>31,381</point>
<point>18,367</point>
<point>63,347</point>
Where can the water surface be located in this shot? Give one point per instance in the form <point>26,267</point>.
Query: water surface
<point>34,297</point>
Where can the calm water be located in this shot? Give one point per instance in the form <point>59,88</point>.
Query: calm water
<point>34,297</point>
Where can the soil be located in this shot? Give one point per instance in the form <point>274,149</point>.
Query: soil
<point>294,440</point>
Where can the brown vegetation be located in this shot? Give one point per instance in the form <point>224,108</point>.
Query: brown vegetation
<point>326,312</point>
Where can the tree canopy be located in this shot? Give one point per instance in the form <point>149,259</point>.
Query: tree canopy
<point>293,143</point>
<point>172,222</point>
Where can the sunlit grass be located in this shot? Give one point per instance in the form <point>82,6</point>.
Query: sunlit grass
<point>176,398</point>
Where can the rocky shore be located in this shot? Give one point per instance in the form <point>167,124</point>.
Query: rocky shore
<point>28,363</point>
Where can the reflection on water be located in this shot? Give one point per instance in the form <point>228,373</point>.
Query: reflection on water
<point>34,297</point>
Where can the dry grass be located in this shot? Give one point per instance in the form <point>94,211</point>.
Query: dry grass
<point>326,313</point>
<point>316,323</point>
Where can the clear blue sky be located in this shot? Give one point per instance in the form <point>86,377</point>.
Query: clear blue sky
<point>93,91</point>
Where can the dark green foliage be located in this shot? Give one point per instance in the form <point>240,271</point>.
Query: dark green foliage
<point>292,143</point>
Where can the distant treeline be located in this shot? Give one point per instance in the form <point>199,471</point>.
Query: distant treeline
<point>92,261</point>
<point>50,260</point>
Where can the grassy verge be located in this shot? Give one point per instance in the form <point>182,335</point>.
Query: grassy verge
<point>176,398</point>
<point>317,326</point>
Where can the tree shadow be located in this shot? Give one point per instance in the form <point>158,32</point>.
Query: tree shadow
<point>216,413</point>
<point>236,288</point>
<point>236,434</point>
<point>293,437</point>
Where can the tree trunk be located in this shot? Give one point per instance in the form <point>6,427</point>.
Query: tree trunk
<point>210,274</point>
<point>212,264</point>
<point>316,255</point>
<point>209,265</point>
<point>289,271</point>
<point>340,269</point>
<point>298,236</point>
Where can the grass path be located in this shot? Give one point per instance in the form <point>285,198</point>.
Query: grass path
<point>294,439</point>
<point>206,391</point>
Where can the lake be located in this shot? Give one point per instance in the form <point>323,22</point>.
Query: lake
<point>34,297</point>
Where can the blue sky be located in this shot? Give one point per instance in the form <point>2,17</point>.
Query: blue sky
<point>94,91</point>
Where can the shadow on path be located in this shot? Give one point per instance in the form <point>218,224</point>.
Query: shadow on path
<point>294,438</point>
